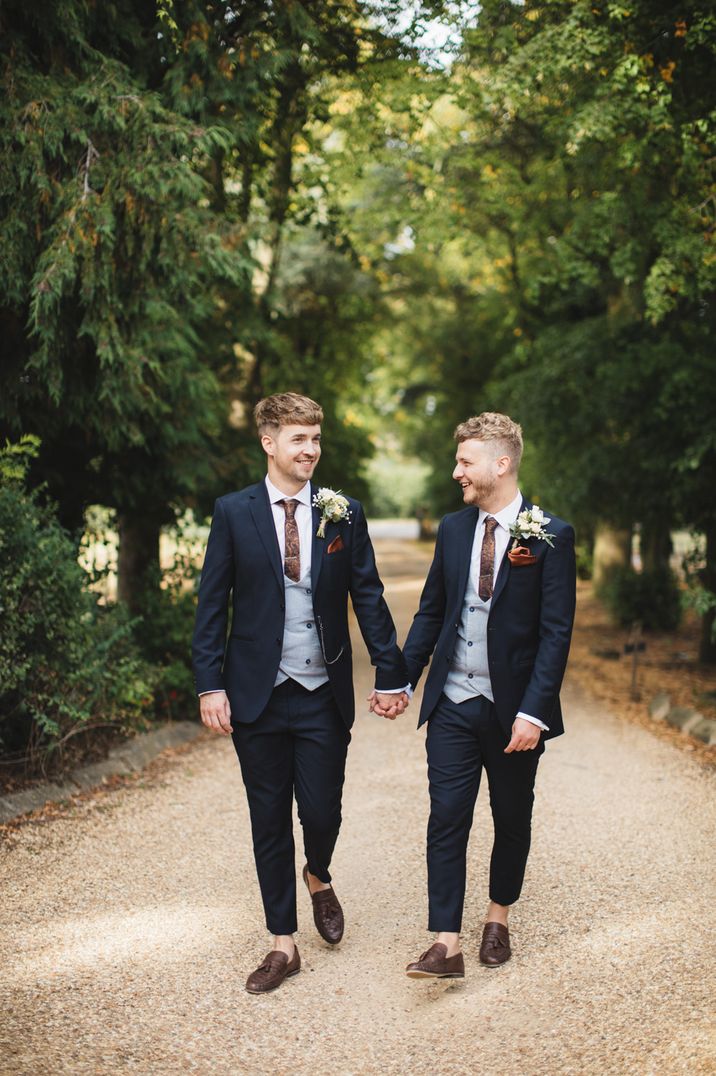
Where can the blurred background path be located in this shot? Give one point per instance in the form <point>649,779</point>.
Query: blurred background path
<point>129,923</point>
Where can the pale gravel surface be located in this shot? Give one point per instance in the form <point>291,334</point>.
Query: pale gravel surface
<point>129,925</point>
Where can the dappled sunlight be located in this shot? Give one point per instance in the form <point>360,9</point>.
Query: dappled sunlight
<point>166,933</point>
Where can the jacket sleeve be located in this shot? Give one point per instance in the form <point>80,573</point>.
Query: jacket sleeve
<point>217,576</point>
<point>430,617</point>
<point>558,600</point>
<point>374,619</point>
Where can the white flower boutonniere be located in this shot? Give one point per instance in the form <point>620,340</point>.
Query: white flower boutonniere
<point>532,523</point>
<point>334,508</point>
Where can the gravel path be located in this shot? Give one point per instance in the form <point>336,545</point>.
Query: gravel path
<point>129,924</point>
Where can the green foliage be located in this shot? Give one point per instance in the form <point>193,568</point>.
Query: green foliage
<point>651,598</point>
<point>163,633</point>
<point>699,596</point>
<point>67,665</point>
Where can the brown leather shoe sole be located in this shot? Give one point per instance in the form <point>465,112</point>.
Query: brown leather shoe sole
<point>435,974</point>
<point>434,963</point>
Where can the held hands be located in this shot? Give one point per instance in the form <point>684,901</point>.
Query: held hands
<point>525,736</point>
<point>389,705</point>
<point>216,712</point>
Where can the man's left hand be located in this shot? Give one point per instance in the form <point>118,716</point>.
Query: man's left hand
<point>525,736</point>
<point>389,705</point>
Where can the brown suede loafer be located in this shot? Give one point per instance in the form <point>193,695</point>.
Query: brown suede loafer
<point>273,969</point>
<point>327,913</point>
<point>436,964</point>
<point>495,946</point>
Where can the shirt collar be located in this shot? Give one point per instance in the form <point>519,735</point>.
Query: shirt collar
<point>506,516</point>
<point>275,495</point>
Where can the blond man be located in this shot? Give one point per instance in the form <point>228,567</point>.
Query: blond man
<point>496,616</point>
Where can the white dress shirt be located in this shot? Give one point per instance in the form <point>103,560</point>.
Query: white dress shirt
<point>303,516</point>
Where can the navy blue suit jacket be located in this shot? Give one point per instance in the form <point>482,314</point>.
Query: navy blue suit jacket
<point>243,562</point>
<point>529,626</point>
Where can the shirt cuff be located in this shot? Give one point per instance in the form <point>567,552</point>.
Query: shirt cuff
<point>534,721</point>
<point>396,691</point>
<point>212,691</point>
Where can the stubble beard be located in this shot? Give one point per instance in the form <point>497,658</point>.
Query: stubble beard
<point>477,494</point>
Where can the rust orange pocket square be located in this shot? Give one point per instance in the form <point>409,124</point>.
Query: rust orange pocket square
<point>336,545</point>
<point>521,555</point>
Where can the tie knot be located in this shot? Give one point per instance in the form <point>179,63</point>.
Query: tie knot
<point>490,524</point>
<point>289,507</point>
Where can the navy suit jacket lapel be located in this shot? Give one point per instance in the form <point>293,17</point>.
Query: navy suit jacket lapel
<point>504,569</point>
<point>318,545</point>
<point>263,519</point>
<point>465,541</point>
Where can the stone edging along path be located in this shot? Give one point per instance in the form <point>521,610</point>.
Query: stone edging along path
<point>125,759</point>
<point>690,721</point>
<point>133,756</point>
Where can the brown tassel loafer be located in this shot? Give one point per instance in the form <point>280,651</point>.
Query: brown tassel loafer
<point>436,964</point>
<point>495,945</point>
<point>327,912</point>
<point>273,969</point>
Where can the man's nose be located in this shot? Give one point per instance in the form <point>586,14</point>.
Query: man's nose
<point>457,473</point>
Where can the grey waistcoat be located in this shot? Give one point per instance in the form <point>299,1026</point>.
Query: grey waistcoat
<point>469,673</point>
<point>301,656</point>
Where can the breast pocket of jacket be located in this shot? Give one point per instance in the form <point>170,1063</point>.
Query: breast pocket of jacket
<point>525,577</point>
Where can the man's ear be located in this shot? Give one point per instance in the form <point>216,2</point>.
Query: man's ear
<point>267,444</point>
<point>503,465</point>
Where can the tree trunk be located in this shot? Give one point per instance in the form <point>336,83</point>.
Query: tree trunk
<point>137,560</point>
<point>655,545</point>
<point>612,549</point>
<point>707,649</point>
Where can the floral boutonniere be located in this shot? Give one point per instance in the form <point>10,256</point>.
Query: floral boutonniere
<point>531,523</point>
<point>333,506</point>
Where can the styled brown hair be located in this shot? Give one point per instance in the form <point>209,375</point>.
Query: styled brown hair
<point>499,429</point>
<point>286,409</point>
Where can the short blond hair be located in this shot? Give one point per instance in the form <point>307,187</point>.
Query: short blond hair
<point>286,409</point>
<point>493,427</point>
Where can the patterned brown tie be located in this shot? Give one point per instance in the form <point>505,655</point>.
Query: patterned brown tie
<point>292,554</point>
<point>487,559</point>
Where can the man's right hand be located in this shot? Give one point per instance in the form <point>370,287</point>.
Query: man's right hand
<point>216,712</point>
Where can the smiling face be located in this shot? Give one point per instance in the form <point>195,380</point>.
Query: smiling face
<point>293,452</point>
<point>483,473</point>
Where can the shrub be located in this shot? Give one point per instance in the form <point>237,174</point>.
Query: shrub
<point>653,598</point>
<point>163,634</point>
<point>66,664</point>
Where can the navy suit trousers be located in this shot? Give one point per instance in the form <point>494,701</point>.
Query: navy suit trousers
<point>462,739</point>
<point>297,746</point>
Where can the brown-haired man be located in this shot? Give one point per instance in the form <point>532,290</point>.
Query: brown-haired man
<point>498,624</point>
<point>282,684</point>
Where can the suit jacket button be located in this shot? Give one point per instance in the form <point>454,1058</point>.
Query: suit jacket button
<point>278,642</point>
